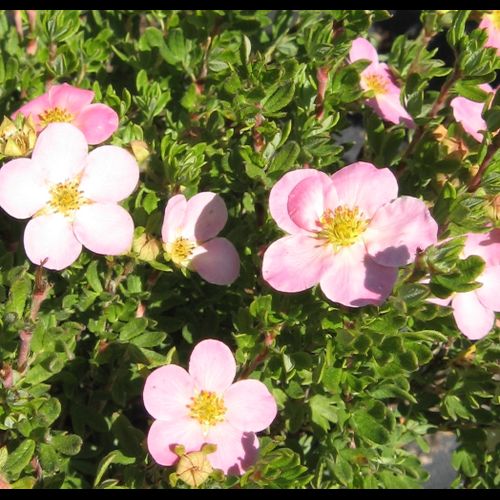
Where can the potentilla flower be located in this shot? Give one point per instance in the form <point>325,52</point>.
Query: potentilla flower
<point>378,78</point>
<point>71,195</point>
<point>469,114</point>
<point>188,234</point>
<point>65,103</point>
<point>491,23</point>
<point>204,406</point>
<point>348,232</point>
<point>474,311</point>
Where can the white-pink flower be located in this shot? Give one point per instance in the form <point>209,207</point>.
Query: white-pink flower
<point>378,78</point>
<point>204,406</point>
<point>474,311</point>
<point>469,114</point>
<point>71,195</point>
<point>188,233</point>
<point>65,103</point>
<point>349,232</point>
<point>491,23</point>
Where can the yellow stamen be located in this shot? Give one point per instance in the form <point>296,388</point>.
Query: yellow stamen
<point>342,227</point>
<point>55,115</point>
<point>377,83</point>
<point>495,19</point>
<point>180,251</point>
<point>66,197</point>
<point>207,408</point>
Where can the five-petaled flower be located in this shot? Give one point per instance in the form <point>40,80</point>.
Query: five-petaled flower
<point>188,233</point>
<point>474,311</point>
<point>65,103</point>
<point>349,232</point>
<point>491,23</point>
<point>204,406</point>
<point>72,196</point>
<point>377,77</point>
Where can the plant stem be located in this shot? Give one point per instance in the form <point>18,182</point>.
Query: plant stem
<point>492,149</point>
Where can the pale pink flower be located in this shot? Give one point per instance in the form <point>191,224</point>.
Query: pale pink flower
<point>469,114</point>
<point>491,23</point>
<point>65,103</point>
<point>203,406</point>
<point>188,233</point>
<point>72,196</point>
<point>348,232</point>
<point>378,78</point>
<point>474,311</point>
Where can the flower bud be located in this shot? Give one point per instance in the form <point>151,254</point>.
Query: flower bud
<point>17,138</point>
<point>146,247</point>
<point>194,468</point>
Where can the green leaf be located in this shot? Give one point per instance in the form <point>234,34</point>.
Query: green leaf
<point>49,458</point>
<point>285,158</point>
<point>279,97</point>
<point>471,91</point>
<point>133,328</point>
<point>18,295</point>
<point>19,459</point>
<point>93,278</point>
<point>67,444</point>
<point>456,32</point>
<point>322,411</point>
<point>368,428</point>
<point>114,457</point>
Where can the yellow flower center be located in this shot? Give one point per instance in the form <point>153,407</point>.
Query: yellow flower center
<point>180,250</point>
<point>55,115</point>
<point>342,227</point>
<point>207,408</point>
<point>495,19</point>
<point>66,197</point>
<point>377,83</point>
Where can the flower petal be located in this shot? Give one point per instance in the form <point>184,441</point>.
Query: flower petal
<point>111,174</point>
<point>489,293</point>
<point>468,114</point>
<point>167,392</point>
<point>69,98</point>
<point>164,435</point>
<point>363,185</point>
<point>98,122</point>
<point>278,199</point>
<point>489,25</point>
<point>212,366</point>
<point>486,245</point>
<point>307,201</point>
<point>398,230</point>
<point>388,106</point>
<point>34,108</point>
<point>363,49</point>
<point>104,228</point>
<point>216,261</point>
<point>295,263</point>
<point>51,237</point>
<point>174,215</point>
<point>250,405</point>
<point>354,279</point>
<point>205,216</point>
<point>60,151</point>
<point>472,318</point>
<point>236,450</point>
<point>22,188</point>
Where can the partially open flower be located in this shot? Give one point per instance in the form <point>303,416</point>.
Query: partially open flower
<point>17,138</point>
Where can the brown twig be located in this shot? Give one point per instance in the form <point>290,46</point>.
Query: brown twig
<point>322,77</point>
<point>492,149</point>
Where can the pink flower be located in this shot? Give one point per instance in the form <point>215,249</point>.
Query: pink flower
<point>65,103</point>
<point>188,234</point>
<point>474,311</point>
<point>469,114</point>
<point>378,78</point>
<point>491,23</point>
<point>71,195</point>
<point>203,406</point>
<point>348,232</point>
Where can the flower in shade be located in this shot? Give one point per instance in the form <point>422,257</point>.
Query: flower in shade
<point>71,195</point>
<point>469,113</point>
<point>491,23</point>
<point>65,103</point>
<point>204,406</point>
<point>188,233</point>
<point>377,77</point>
<point>474,311</point>
<point>349,232</point>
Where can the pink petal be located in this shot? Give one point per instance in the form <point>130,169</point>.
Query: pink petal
<point>489,293</point>
<point>388,106</point>
<point>440,302</point>
<point>278,199</point>
<point>355,280</point>
<point>486,245</point>
<point>205,216</point>
<point>472,318</point>
<point>51,237</point>
<point>216,261</point>
<point>212,366</point>
<point>98,122</point>
<point>363,49</point>
<point>60,152</point>
<point>104,228</point>
<point>22,188</point>
<point>398,230</point>
<point>236,451</point>
<point>250,405</point>
<point>69,98</point>
<point>111,174</point>
<point>34,108</point>
<point>295,263</point>
<point>468,114</point>
<point>174,215</point>
<point>363,185</point>
<point>307,201</point>
<point>167,392</point>
<point>493,33</point>
<point>164,435</point>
